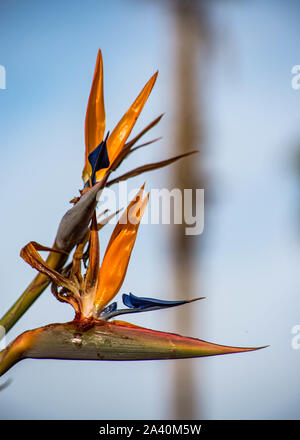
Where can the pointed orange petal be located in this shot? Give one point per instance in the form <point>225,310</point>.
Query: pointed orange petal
<point>95,116</point>
<point>118,252</point>
<point>124,218</point>
<point>121,132</point>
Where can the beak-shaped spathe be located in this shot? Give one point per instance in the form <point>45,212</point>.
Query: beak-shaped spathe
<point>102,340</point>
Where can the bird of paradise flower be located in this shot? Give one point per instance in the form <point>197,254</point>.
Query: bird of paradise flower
<point>92,335</point>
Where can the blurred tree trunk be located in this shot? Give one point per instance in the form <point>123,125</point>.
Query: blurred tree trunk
<point>190,39</point>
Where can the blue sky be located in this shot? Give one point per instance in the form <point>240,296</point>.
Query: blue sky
<point>249,270</point>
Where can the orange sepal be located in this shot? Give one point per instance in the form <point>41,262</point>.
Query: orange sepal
<point>95,116</point>
<point>118,252</point>
<point>119,135</point>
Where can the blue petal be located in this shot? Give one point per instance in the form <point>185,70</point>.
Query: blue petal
<point>98,159</point>
<point>135,302</point>
<point>109,309</point>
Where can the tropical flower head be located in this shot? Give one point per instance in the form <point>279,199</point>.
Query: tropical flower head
<point>104,155</point>
<point>91,335</point>
<point>90,293</point>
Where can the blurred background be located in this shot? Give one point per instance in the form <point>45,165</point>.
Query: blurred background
<point>225,87</point>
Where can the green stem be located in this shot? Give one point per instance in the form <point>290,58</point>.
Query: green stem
<point>33,291</point>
